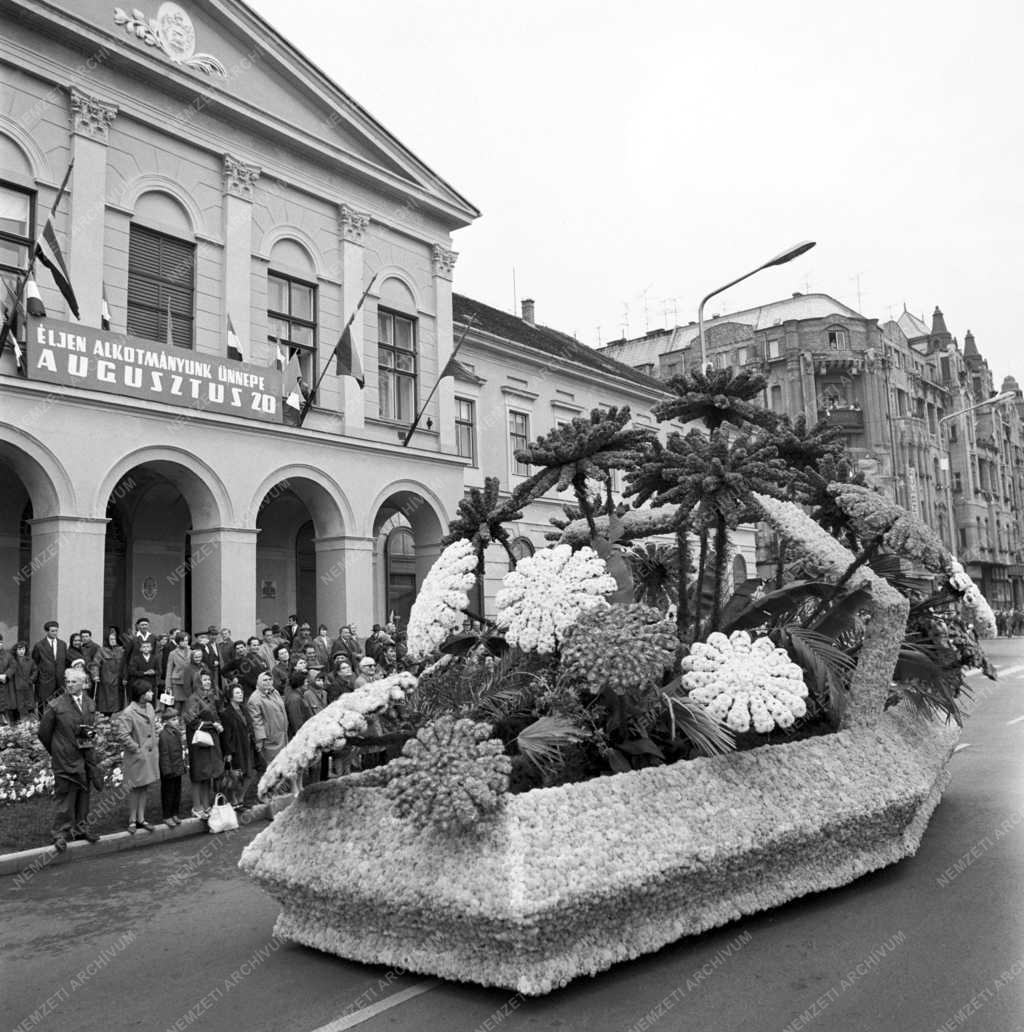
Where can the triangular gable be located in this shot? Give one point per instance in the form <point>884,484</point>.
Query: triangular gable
<point>227,47</point>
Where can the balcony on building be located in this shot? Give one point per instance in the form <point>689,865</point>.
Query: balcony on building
<point>849,417</point>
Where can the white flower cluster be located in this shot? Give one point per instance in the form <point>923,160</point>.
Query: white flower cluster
<point>348,716</point>
<point>442,599</point>
<point>742,682</point>
<point>556,886</point>
<point>984,619</point>
<point>546,592</point>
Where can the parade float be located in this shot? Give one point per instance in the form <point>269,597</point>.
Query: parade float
<point>636,749</point>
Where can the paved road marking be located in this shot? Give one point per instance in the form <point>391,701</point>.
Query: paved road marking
<point>365,1013</point>
<point>964,745</point>
<point>1016,720</point>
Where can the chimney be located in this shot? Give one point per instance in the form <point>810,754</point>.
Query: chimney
<point>528,310</point>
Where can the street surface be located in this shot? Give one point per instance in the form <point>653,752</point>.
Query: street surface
<point>174,937</point>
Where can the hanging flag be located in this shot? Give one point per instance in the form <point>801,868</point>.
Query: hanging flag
<point>104,310</point>
<point>279,359</point>
<point>349,363</point>
<point>12,325</point>
<point>234,344</point>
<point>170,326</point>
<point>453,367</point>
<point>49,253</point>
<point>294,400</point>
<point>33,302</point>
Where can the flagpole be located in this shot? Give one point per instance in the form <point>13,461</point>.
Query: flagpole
<point>437,383</point>
<point>308,402</point>
<point>18,294</point>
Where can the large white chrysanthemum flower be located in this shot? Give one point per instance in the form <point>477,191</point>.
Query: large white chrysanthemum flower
<point>546,592</point>
<point>333,726</point>
<point>442,599</point>
<point>742,682</point>
<point>984,619</point>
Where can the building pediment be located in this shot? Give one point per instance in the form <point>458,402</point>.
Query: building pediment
<point>238,66</point>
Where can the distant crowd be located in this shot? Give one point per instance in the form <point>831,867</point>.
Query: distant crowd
<point>1009,622</point>
<point>213,706</point>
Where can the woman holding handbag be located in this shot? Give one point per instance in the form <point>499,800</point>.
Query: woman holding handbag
<point>202,732</point>
<point>136,731</point>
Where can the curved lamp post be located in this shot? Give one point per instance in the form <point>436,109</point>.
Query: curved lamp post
<point>779,259</point>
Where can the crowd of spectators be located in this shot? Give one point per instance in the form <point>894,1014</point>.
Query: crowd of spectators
<point>205,705</point>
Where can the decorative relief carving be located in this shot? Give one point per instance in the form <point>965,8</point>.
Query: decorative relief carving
<point>353,223</point>
<point>444,261</point>
<point>173,32</point>
<point>239,178</point>
<point>91,116</point>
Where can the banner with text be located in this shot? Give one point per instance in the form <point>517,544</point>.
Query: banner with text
<point>72,355</point>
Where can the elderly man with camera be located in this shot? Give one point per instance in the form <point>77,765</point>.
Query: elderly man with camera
<point>67,730</point>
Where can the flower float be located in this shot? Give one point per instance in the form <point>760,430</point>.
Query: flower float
<point>745,682</point>
<point>450,776</point>
<point>546,592</point>
<point>331,728</point>
<point>442,599</point>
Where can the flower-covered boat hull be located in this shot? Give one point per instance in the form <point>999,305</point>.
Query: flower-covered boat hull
<point>568,881</point>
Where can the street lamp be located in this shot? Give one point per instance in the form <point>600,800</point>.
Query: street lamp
<point>779,259</point>
<point>995,400</point>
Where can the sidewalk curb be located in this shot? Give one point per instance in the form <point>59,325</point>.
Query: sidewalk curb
<point>30,861</point>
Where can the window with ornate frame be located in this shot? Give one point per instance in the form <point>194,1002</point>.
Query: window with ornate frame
<point>518,437</point>
<point>465,429</point>
<point>396,366</point>
<point>291,322</point>
<point>17,232</point>
<point>521,548</point>
<point>161,286</point>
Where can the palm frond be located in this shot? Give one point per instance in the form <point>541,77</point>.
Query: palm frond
<point>542,741</point>
<point>691,721</point>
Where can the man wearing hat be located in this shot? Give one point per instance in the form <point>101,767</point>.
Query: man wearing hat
<point>367,671</point>
<point>211,657</point>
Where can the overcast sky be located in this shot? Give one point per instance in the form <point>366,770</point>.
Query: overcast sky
<point>623,152</point>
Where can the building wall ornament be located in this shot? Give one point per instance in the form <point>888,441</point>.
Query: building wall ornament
<point>353,223</point>
<point>173,32</point>
<point>239,177</point>
<point>91,116</point>
<point>444,261</point>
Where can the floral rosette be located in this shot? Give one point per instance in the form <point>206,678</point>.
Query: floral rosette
<point>984,619</point>
<point>546,592</point>
<point>744,682</point>
<point>442,599</point>
<point>347,717</point>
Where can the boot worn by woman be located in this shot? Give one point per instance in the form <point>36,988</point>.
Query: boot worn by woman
<point>145,824</point>
<point>131,827</point>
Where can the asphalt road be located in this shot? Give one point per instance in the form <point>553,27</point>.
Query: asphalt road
<point>176,938</point>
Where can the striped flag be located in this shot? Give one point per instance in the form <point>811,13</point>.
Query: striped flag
<point>49,253</point>
<point>12,323</point>
<point>349,363</point>
<point>104,310</point>
<point>234,344</point>
<point>170,325</point>
<point>33,302</point>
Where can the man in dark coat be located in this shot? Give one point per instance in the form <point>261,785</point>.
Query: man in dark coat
<point>142,633</point>
<point>211,657</point>
<point>64,732</point>
<point>50,656</point>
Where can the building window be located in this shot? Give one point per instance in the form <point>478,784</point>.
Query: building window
<point>519,437</point>
<point>741,357</point>
<point>954,433</point>
<point>838,339</point>
<point>465,429</point>
<point>17,231</point>
<point>161,286</point>
<point>291,322</point>
<point>776,398</point>
<point>521,548</point>
<point>772,349</point>
<point>396,366</point>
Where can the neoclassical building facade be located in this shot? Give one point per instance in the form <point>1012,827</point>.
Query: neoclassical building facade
<point>227,209</point>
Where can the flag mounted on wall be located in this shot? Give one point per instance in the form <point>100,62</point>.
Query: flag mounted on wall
<point>234,344</point>
<point>33,302</point>
<point>170,326</point>
<point>104,310</point>
<point>49,253</point>
<point>349,363</point>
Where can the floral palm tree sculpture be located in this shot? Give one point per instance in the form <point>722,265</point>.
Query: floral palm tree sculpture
<point>716,397</point>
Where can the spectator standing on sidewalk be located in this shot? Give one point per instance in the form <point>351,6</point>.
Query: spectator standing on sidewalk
<point>205,760</point>
<point>67,730</point>
<point>269,720</point>
<point>171,748</point>
<point>136,732</point>
<point>238,742</point>
<point>50,656</point>
<point>18,684</point>
<point>111,669</point>
<point>177,662</point>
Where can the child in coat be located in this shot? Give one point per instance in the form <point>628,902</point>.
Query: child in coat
<point>172,766</point>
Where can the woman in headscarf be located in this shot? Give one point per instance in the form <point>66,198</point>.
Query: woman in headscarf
<point>110,665</point>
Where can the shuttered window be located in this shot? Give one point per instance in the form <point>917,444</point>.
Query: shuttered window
<point>161,286</point>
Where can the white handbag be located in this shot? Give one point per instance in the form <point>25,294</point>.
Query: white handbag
<point>222,815</point>
<point>203,738</point>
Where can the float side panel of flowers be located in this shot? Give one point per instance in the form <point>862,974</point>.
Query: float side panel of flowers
<point>888,609</point>
<point>559,884</point>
